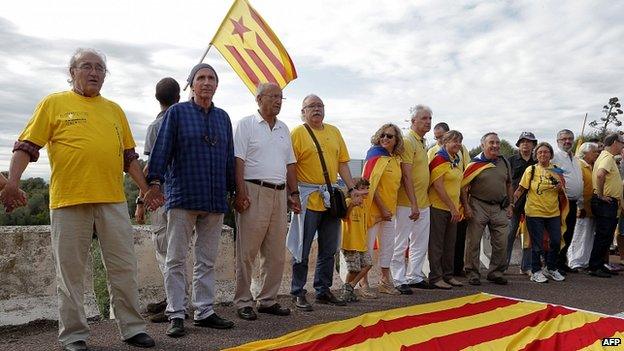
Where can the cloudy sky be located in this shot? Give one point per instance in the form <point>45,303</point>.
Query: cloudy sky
<point>502,66</point>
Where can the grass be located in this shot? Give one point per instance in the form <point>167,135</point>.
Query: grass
<point>100,285</point>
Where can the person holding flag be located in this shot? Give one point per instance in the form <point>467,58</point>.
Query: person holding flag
<point>383,171</point>
<point>486,194</point>
<point>546,209</point>
<point>445,182</point>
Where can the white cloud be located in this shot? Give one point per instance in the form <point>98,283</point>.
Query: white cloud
<point>481,66</point>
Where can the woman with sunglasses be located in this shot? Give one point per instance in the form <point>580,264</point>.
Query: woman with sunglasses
<point>383,170</point>
<point>445,183</point>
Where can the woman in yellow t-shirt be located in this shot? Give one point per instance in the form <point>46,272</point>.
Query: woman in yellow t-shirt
<point>383,170</point>
<point>444,185</point>
<point>544,182</point>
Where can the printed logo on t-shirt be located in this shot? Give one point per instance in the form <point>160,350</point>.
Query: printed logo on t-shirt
<point>73,118</point>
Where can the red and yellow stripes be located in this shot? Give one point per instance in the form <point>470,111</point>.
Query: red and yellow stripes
<point>252,49</point>
<point>476,322</point>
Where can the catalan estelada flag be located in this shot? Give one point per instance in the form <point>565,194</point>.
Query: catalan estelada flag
<point>475,322</point>
<point>474,168</point>
<point>252,49</point>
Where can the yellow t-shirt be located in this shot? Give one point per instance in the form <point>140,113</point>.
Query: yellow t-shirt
<point>465,155</point>
<point>543,197</point>
<point>588,186</point>
<point>613,180</point>
<point>354,229</point>
<point>388,188</point>
<point>452,184</point>
<point>309,168</point>
<point>86,139</point>
<point>416,156</point>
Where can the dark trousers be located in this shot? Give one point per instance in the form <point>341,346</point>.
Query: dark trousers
<point>536,227</point>
<point>460,248</point>
<point>514,223</point>
<point>606,221</point>
<point>328,228</point>
<point>441,245</point>
<point>567,236</point>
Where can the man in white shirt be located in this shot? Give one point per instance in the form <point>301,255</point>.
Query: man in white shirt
<point>564,158</point>
<point>264,171</point>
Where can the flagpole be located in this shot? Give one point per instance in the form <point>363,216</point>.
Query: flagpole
<point>200,61</point>
<point>584,121</point>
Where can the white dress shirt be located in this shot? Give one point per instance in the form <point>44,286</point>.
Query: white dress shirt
<point>266,152</point>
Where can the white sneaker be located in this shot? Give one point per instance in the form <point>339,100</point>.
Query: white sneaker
<point>554,275</point>
<point>539,277</point>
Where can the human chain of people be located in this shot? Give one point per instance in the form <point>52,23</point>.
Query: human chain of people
<point>410,204</point>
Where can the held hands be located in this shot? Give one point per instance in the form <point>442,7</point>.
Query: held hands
<point>153,198</point>
<point>386,215</point>
<point>241,202</point>
<point>509,211</point>
<point>467,212</point>
<point>455,215</point>
<point>415,213</point>
<point>139,214</point>
<point>12,197</point>
<point>357,198</point>
<point>294,203</point>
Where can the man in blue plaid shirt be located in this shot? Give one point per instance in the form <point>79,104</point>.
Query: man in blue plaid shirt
<point>193,158</point>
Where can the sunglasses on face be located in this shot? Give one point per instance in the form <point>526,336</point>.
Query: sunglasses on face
<point>386,135</point>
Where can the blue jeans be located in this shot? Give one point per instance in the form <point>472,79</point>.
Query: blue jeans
<point>328,228</point>
<point>536,227</point>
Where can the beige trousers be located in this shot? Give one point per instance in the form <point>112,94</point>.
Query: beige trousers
<point>72,230</point>
<point>498,223</point>
<point>262,227</point>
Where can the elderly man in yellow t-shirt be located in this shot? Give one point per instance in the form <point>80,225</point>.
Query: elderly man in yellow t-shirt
<point>89,145</point>
<point>314,217</point>
<point>605,202</point>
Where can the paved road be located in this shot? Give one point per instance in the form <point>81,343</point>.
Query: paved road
<point>579,291</point>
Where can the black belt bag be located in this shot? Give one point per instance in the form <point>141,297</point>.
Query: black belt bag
<point>267,184</point>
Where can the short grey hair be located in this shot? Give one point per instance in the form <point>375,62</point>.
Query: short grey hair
<point>262,87</point>
<point>587,147</point>
<point>485,137</point>
<point>309,96</point>
<point>419,109</point>
<point>78,54</point>
<point>563,132</point>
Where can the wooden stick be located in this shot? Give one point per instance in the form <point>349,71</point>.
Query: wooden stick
<point>200,61</point>
<point>584,121</point>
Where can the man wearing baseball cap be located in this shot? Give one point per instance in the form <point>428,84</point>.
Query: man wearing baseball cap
<point>193,158</point>
<point>518,163</point>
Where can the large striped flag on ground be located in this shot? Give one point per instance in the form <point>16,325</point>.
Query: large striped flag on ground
<point>475,322</point>
<point>252,49</point>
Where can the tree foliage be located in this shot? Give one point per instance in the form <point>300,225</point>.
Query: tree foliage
<point>611,111</point>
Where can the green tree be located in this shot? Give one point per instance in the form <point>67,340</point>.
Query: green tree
<point>611,111</point>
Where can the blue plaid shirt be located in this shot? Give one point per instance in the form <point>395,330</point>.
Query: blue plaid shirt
<point>194,157</point>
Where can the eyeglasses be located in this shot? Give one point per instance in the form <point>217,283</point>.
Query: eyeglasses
<point>315,106</point>
<point>275,96</point>
<point>386,135</point>
<point>89,67</point>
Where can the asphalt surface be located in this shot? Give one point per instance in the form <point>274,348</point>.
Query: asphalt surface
<point>579,291</point>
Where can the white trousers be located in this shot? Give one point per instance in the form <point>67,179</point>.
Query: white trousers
<point>384,231</point>
<point>412,235</point>
<point>582,242</point>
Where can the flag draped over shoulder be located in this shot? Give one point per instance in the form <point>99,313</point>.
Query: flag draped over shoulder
<point>377,159</point>
<point>475,322</point>
<point>252,49</point>
<point>475,167</point>
<point>440,164</point>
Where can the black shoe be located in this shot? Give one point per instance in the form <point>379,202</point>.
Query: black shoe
<point>213,321</point>
<point>141,340</point>
<point>176,328</point>
<point>159,318</point>
<point>566,269</point>
<point>420,285</point>
<point>275,309</point>
<point>79,345</point>
<point>474,281</point>
<point>329,298</point>
<point>247,313</point>
<point>302,303</point>
<point>599,273</point>
<point>498,280</point>
<point>157,307</point>
<point>608,271</point>
<point>404,289</point>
